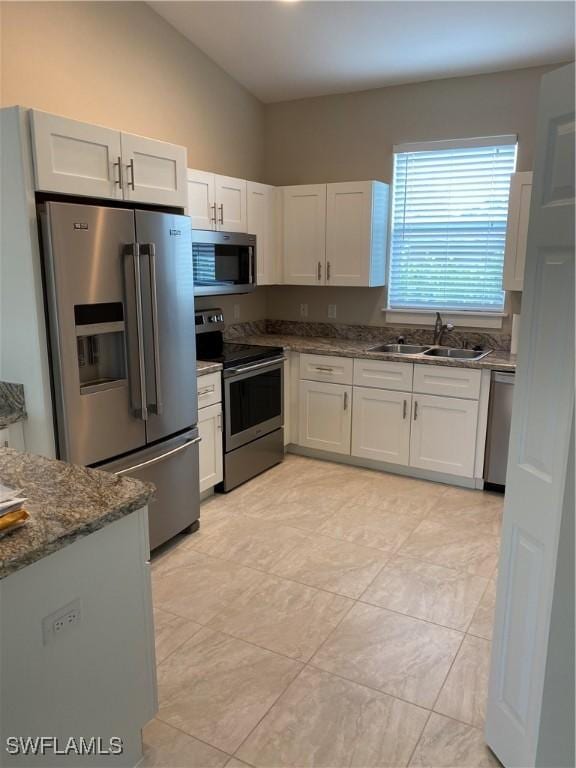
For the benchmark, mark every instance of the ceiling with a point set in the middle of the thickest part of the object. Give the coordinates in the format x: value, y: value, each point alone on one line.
x: 289, y: 50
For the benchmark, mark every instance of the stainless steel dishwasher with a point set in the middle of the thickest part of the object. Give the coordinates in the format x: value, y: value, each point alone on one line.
x: 498, y: 437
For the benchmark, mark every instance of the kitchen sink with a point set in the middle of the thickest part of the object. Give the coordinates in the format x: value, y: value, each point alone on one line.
x: 456, y: 354
x: 399, y: 349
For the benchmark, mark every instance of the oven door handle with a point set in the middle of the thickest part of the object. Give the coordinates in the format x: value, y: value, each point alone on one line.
x: 255, y: 367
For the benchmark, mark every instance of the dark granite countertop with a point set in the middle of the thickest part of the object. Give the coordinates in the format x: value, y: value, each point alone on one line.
x: 497, y: 360
x: 65, y: 502
x: 203, y: 367
x: 12, y: 408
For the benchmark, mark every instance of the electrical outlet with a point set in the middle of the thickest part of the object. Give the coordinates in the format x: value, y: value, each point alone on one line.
x: 61, y: 621
x: 332, y: 311
x: 236, y: 312
x: 303, y: 310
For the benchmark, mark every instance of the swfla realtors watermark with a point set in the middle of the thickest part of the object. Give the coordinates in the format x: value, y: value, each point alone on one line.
x: 74, y: 745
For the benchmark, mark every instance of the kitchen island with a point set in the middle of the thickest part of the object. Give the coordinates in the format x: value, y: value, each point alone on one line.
x: 77, y: 641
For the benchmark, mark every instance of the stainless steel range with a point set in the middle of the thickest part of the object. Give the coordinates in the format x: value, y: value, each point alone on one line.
x: 253, y: 395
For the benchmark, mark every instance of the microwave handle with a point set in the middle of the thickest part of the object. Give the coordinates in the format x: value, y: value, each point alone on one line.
x: 251, y: 265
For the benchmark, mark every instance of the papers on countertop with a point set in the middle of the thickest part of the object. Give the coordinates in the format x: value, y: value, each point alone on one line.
x: 10, y: 499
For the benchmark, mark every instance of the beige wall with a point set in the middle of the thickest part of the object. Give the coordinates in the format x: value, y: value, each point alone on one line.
x: 123, y: 66
x: 351, y: 136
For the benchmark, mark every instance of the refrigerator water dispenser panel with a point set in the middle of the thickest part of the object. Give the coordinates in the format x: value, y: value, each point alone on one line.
x: 101, y: 345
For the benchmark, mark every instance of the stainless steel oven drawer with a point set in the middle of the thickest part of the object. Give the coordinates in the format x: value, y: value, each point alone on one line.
x: 251, y: 459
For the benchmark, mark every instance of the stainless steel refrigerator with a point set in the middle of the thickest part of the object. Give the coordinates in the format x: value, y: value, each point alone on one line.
x: 120, y: 302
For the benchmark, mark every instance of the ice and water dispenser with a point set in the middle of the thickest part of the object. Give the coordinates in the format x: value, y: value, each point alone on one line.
x: 101, y: 343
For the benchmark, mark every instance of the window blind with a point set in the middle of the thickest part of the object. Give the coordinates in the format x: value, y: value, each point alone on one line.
x: 449, y: 215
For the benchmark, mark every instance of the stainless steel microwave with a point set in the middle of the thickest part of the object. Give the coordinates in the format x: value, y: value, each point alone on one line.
x: 224, y: 262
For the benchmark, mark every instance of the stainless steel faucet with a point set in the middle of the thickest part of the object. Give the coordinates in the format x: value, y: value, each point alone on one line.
x: 440, y: 328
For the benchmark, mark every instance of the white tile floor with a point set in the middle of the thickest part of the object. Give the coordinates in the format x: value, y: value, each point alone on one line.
x: 329, y: 616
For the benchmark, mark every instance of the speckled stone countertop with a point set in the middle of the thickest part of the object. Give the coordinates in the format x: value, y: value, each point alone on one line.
x: 203, y: 367
x: 12, y: 408
x: 497, y: 360
x: 65, y: 502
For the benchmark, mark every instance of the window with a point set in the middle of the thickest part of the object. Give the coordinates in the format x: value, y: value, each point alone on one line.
x: 449, y: 214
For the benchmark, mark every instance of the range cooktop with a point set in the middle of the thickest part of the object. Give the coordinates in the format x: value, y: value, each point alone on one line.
x: 232, y: 355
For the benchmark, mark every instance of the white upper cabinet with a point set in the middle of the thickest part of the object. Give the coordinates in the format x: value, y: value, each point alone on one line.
x: 517, y: 230
x: 201, y: 199
x: 231, y: 204
x: 356, y: 227
x: 155, y: 171
x: 77, y: 158
x: 217, y: 202
x: 335, y: 234
x: 262, y: 222
x: 304, y: 234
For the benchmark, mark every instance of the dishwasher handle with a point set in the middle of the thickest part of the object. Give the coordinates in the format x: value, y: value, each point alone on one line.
x: 502, y: 377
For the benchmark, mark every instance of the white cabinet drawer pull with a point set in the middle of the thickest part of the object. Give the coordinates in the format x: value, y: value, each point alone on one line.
x: 324, y: 368
x: 206, y: 390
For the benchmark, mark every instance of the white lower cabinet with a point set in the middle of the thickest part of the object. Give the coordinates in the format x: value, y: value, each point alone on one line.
x: 210, y: 430
x: 381, y: 425
x: 391, y: 417
x: 443, y: 434
x: 325, y: 416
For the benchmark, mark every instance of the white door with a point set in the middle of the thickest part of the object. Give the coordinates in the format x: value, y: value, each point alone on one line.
x: 517, y: 230
x: 443, y: 434
x: 261, y: 222
x: 348, y: 225
x: 231, y: 198
x: 304, y: 234
x: 542, y: 421
x: 75, y: 158
x: 210, y: 431
x: 154, y: 171
x: 201, y: 199
x: 381, y: 424
x: 325, y: 416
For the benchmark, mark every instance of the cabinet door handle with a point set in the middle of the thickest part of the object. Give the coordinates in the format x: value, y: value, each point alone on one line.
x: 220, y: 421
x: 213, y: 209
x: 221, y: 213
x: 415, y: 409
x: 319, y: 271
x: 328, y: 270
x: 118, y: 181
x: 131, y: 182
x: 404, y: 409
x: 345, y: 401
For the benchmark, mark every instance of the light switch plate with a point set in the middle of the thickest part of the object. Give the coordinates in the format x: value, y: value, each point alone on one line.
x: 303, y: 310
x: 332, y: 311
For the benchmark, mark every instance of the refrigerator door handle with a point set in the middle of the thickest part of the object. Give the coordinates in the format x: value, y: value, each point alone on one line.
x: 162, y: 457
x: 157, y: 405
x: 133, y: 250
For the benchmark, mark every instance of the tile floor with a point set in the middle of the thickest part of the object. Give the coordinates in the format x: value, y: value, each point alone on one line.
x: 329, y: 616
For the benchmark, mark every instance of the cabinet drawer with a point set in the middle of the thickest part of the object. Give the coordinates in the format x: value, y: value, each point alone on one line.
x: 383, y: 374
x: 337, y: 370
x: 209, y: 389
x: 442, y: 380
